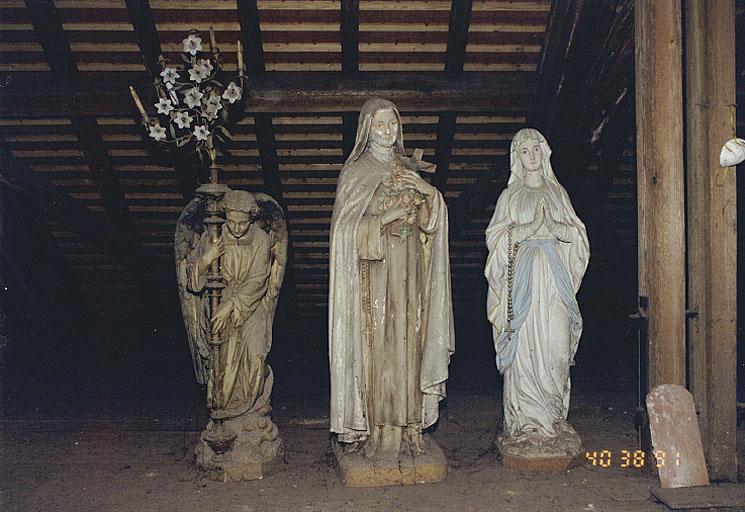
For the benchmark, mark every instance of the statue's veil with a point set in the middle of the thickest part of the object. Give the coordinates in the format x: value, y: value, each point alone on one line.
x: 517, y: 173
x: 365, y: 121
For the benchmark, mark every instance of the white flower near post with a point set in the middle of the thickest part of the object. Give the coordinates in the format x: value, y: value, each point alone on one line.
x: 205, y: 66
x: 210, y: 111
x: 169, y: 76
x: 192, y: 44
x: 201, y: 132
x: 232, y: 93
x: 183, y: 120
x: 157, y: 132
x: 197, y: 74
x: 164, y: 106
x: 193, y: 97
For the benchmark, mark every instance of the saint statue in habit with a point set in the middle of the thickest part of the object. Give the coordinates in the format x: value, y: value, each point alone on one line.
x: 538, y: 254
x: 390, y: 311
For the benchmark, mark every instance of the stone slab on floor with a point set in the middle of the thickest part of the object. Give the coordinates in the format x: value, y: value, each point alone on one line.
x: 676, y: 438
x: 725, y: 496
x: 357, y: 471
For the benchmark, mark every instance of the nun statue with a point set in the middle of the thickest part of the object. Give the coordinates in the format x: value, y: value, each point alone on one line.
x: 390, y: 311
x: 538, y: 253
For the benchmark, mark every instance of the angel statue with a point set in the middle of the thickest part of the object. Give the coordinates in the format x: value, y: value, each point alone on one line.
x: 538, y: 254
x: 252, y: 252
x: 390, y: 311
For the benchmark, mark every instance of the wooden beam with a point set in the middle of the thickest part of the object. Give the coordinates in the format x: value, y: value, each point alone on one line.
x: 350, y: 66
x: 712, y: 229
x: 460, y: 21
x: 455, y: 57
x: 38, y: 96
x: 248, y: 15
x: 60, y: 206
x: 146, y: 33
x: 583, y: 89
x: 48, y: 27
x: 350, y: 36
x: 659, y: 122
x: 558, y: 42
x: 264, y: 126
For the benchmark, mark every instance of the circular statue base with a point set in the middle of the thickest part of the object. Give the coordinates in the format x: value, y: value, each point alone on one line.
x: 256, y: 452
x: 532, y: 452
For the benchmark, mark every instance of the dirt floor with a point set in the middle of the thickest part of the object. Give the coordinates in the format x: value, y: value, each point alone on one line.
x: 146, y: 464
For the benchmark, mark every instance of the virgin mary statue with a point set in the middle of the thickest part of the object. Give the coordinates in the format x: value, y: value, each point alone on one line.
x: 390, y: 310
x: 538, y: 253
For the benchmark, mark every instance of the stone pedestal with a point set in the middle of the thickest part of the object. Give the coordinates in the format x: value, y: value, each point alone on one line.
x: 256, y: 452
x: 356, y: 470
x: 532, y: 453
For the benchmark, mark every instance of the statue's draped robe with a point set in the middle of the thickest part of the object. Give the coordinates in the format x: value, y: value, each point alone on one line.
x: 246, y: 267
x: 398, y: 379
x: 536, y: 376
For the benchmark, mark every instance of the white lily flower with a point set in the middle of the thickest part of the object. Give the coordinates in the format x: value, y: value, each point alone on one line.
x: 197, y: 74
x: 210, y: 111
x: 206, y: 66
x: 157, y: 132
x: 183, y: 120
x: 164, y: 106
x: 233, y: 93
x: 192, y: 44
x: 213, y: 99
x: 169, y: 76
x: 201, y: 132
x: 194, y: 97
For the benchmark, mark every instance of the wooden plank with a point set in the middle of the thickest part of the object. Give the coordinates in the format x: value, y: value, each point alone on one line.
x: 48, y: 27
x: 455, y: 57
x: 248, y: 15
x: 255, y: 65
x: 659, y: 121
x: 350, y: 36
x: 106, y: 95
x: 712, y: 229
x: 561, y: 28
x: 729, y: 496
x: 588, y: 43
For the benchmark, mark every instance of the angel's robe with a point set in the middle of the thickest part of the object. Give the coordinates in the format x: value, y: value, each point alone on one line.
x: 246, y: 267
x: 391, y: 330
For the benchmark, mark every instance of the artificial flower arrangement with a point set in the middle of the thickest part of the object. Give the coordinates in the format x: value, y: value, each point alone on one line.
x: 192, y: 99
x: 396, y: 193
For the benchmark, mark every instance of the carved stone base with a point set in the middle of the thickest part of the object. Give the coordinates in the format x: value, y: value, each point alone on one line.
x: 256, y: 452
x: 531, y: 452
x: 356, y: 470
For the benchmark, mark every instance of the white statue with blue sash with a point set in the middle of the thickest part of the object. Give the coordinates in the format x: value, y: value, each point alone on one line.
x: 538, y: 253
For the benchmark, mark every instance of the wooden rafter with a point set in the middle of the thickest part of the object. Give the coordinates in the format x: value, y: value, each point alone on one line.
x: 48, y: 26
x: 248, y: 13
x: 350, y: 64
x: 350, y: 36
x: 66, y: 210
x: 141, y: 16
x: 582, y: 95
x: 34, y: 96
x: 455, y: 57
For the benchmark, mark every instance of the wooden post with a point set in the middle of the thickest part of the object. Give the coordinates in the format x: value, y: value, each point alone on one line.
x: 712, y: 229
x: 659, y: 122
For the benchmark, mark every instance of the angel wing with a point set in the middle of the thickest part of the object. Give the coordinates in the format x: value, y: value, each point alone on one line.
x: 272, y: 220
x: 189, y: 229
